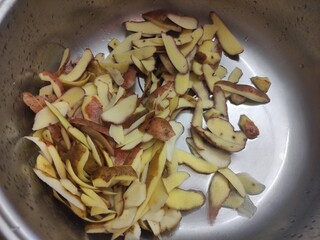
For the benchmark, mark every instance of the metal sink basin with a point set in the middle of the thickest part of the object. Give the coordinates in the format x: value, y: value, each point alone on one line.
x: 281, y: 41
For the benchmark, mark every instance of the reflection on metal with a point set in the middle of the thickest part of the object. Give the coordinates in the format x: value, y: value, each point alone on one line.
x: 5, y: 7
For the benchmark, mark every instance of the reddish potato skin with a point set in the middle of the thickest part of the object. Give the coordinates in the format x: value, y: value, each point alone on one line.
x: 129, y: 77
x: 94, y: 110
x: 36, y: 103
x: 55, y: 131
x: 159, y: 128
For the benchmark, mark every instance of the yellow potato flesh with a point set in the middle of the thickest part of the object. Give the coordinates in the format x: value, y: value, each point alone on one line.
x: 176, y: 57
x: 197, y: 164
x: 185, y: 200
x: 228, y: 41
x: 218, y: 192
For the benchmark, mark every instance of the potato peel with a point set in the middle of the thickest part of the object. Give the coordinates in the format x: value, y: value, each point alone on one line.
x: 159, y: 128
x: 109, y: 153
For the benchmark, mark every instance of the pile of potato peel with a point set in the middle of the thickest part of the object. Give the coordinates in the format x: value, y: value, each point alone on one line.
x: 109, y: 153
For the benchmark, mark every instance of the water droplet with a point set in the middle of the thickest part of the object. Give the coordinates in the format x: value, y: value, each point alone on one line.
x: 293, y: 235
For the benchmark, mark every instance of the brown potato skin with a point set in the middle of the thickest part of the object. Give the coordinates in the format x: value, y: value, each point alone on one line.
x: 125, y: 157
x: 55, y: 131
x: 96, y: 68
x: 248, y: 127
x: 245, y: 90
x: 95, y: 126
x: 200, y: 57
x: 160, y: 17
x: 237, y: 99
x: 107, y: 173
